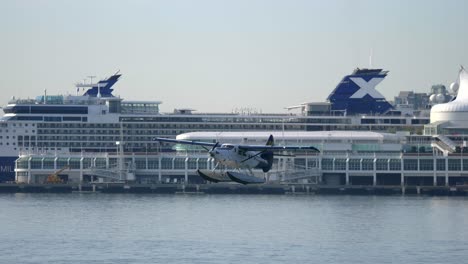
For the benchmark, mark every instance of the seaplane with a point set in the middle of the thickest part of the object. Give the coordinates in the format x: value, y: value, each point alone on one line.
x: 241, y: 159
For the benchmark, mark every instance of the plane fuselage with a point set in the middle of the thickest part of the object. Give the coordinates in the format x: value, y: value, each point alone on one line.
x: 234, y: 157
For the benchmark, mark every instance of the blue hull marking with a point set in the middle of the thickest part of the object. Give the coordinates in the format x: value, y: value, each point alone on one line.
x: 7, y: 168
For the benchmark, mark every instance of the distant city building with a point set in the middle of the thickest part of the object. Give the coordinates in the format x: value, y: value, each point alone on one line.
x: 418, y: 101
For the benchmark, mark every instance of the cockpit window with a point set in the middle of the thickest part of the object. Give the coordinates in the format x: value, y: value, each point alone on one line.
x: 225, y: 146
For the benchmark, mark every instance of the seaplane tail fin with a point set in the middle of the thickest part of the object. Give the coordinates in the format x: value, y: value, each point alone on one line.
x: 270, y: 141
x: 268, y: 156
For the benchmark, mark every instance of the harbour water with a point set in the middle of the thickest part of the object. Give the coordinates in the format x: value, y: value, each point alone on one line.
x: 149, y: 228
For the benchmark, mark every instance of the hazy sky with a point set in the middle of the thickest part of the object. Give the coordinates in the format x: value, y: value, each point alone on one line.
x: 214, y: 55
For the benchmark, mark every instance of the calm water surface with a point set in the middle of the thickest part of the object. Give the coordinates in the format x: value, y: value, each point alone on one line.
x: 107, y: 228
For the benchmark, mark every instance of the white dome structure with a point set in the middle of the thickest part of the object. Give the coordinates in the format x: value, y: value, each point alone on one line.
x: 440, y: 98
x: 432, y: 98
x: 454, y: 87
x: 456, y: 111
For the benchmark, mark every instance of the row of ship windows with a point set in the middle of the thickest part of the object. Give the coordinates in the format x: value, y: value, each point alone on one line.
x: 158, y: 125
x: 84, y: 138
x: 110, y: 133
x: 178, y: 126
x: 395, y: 121
x: 201, y: 126
x: 14, y: 131
x: 37, y: 149
x: 182, y: 129
x: 166, y: 130
x: 7, y: 143
x: 20, y: 125
x: 20, y: 138
x: 195, y: 119
x: 395, y: 164
x: 110, y: 146
x: 197, y: 124
x: 163, y: 131
x: 98, y: 149
x: 281, y: 120
x: 50, y: 118
x: 45, y: 109
x: 118, y: 132
x: 76, y: 125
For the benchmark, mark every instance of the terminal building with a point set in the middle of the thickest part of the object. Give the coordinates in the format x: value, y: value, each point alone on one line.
x: 434, y: 157
x: 92, y: 122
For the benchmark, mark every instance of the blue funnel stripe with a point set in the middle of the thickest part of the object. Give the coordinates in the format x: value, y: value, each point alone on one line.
x: 105, y: 87
x: 356, y: 93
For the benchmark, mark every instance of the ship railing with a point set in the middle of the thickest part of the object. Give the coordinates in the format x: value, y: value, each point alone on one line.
x: 110, y: 174
x: 367, y: 154
x: 447, y: 141
x: 444, y: 144
x: 293, y: 172
x: 61, y: 154
x: 22, y: 101
x: 442, y: 147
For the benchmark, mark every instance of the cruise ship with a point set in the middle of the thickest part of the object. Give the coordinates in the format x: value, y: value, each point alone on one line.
x: 96, y: 124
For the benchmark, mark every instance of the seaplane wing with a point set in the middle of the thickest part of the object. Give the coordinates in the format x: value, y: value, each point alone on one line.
x: 189, y: 142
x: 239, y: 157
x: 268, y: 147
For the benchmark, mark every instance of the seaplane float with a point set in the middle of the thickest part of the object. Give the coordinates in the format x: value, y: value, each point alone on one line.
x: 239, y: 158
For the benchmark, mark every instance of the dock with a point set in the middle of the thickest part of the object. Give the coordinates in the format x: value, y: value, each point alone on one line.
x: 229, y: 188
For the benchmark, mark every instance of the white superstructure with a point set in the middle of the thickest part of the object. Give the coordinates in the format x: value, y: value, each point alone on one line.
x: 347, y: 156
x: 323, y: 140
x: 94, y: 121
x: 454, y: 113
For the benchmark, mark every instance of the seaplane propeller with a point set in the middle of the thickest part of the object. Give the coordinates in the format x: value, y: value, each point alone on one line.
x: 212, y: 149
